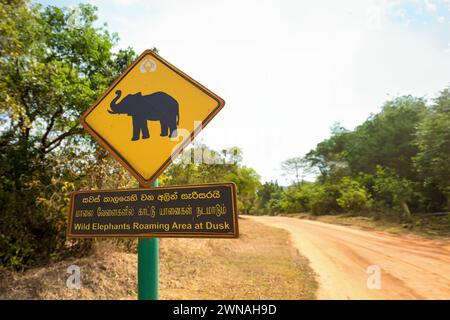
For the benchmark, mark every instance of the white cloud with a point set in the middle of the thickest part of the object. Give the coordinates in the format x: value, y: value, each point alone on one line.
x: 441, y: 19
x: 429, y: 6
x: 128, y: 2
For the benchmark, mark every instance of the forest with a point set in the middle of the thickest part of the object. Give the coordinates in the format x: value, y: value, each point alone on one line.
x: 397, y: 161
x: 56, y: 61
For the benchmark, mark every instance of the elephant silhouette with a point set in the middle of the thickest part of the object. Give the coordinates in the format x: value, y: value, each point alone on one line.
x: 158, y: 106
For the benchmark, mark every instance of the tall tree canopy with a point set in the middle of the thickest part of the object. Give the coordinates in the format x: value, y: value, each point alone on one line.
x: 386, y: 139
x: 54, y: 62
x: 433, y: 158
x: 396, y: 160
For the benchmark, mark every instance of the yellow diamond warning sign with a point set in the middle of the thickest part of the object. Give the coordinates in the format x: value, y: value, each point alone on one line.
x: 149, y: 114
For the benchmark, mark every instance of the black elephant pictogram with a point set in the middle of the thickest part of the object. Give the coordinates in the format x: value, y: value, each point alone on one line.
x: 158, y: 106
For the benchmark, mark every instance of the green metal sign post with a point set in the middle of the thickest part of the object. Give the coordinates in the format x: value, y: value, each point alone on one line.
x: 148, y: 255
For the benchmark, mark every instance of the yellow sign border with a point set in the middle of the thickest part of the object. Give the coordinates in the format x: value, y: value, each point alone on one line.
x: 148, y: 182
x: 234, y: 234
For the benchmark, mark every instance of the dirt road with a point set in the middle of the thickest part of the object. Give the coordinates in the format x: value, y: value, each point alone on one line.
x: 411, y: 267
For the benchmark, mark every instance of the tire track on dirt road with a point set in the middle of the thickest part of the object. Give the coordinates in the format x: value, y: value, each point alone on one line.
x: 411, y: 267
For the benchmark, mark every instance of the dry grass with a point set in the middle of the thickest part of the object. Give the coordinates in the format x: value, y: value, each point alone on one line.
x: 107, y: 274
x: 259, y: 265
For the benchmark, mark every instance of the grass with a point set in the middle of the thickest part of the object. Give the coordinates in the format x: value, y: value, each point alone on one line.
x: 259, y: 265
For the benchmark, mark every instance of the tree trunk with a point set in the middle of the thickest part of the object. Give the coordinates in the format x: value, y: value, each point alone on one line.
x: 405, y: 208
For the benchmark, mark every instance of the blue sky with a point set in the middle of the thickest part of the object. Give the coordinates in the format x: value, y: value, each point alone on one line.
x: 289, y: 69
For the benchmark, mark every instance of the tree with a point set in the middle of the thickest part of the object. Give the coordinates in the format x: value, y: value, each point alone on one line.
x: 432, y: 159
x: 201, y: 164
x: 247, y: 182
x: 297, y: 167
x: 54, y: 63
x: 269, y: 197
x: 353, y: 196
x: 393, y: 189
x: 387, y: 138
x: 331, y: 154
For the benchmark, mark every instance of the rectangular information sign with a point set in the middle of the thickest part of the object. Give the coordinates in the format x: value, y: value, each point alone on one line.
x: 207, y: 210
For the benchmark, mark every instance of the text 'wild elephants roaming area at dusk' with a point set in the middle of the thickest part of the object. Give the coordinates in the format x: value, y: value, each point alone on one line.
x: 225, y: 159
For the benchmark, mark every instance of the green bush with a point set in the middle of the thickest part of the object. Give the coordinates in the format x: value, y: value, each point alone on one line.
x: 319, y: 198
x: 354, y: 197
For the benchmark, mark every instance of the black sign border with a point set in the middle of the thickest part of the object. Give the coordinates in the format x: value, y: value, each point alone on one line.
x: 234, y: 234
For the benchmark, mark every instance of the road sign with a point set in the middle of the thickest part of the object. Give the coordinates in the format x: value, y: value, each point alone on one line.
x: 149, y: 114
x: 207, y: 210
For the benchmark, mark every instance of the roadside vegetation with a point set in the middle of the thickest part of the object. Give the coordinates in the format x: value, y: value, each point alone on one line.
x: 425, y: 226
x: 393, y: 167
